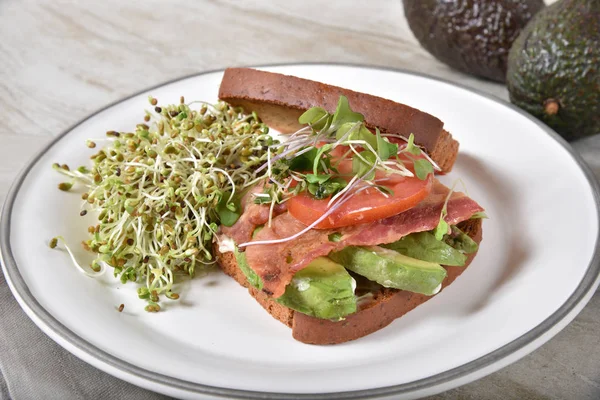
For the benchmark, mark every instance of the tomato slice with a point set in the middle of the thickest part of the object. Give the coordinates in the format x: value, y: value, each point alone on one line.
x: 366, y: 206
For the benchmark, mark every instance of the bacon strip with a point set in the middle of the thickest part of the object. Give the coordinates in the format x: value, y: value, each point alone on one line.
x: 253, y: 215
x: 276, y: 264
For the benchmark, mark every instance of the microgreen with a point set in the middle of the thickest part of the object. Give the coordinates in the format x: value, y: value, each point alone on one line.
x: 362, y: 165
x: 317, y: 117
x: 344, y: 114
x: 305, y: 161
x: 228, y: 211
x: 321, y: 159
x: 442, y: 227
x: 410, y: 146
x: 422, y: 168
x: 310, y: 159
x: 262, y: 198
x: 385, y: 149
x: 312, y: 178
x: 328, y: 187
x: 479, y: 214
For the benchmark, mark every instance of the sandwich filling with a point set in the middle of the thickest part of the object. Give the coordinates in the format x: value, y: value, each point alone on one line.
x: 277, y: 263
x: 347, y: 206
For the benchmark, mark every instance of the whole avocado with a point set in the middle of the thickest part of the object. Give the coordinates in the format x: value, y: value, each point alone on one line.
x: 554, y: 68
x: 473, y: 36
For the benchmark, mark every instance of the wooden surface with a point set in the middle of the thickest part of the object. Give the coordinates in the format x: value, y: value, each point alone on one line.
x: 62, y: 60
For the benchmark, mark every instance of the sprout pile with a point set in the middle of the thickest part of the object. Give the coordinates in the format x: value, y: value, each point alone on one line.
x: 161, y: 192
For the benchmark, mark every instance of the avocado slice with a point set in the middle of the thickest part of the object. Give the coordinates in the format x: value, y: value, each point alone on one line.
x: 251, y: 276
x: 554, y: 68
x: 322, y: 289
x: 460, y: 241
x: 424, y: 246
x: 392, y: 269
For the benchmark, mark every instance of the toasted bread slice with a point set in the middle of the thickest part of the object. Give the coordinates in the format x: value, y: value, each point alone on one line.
x: 280, y: 99
x: 384, y: 307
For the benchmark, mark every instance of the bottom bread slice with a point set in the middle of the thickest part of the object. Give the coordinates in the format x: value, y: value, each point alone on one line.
x: 384, y: 307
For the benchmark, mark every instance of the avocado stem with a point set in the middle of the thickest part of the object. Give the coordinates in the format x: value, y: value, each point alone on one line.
x: 551, y: 106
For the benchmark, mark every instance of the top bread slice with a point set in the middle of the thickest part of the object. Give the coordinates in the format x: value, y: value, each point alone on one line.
x: 280, y: 99
x: 384, y: 307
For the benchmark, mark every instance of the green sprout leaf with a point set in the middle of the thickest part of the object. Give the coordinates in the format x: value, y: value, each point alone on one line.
x: 143, y: 293
x: 317, y: 117
x: 367, y: 136
x: 263, y: 199
x: 423, y: 168
x: 359, y: 133
x: 327, y: 188
x: 304, y: 162
x: 344, y: 114
x: 411, y: 148
x: 442, y: 228
x: 384, y: 148
x: 228, y: 212
x: 311, y: 178
x: 343, y: 129
x: 317, y: 165
x: 479, y: 214
x: 363, y: 164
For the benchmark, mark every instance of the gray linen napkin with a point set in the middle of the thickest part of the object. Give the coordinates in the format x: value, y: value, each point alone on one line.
x: 33, y: 366
x: 3, y: 387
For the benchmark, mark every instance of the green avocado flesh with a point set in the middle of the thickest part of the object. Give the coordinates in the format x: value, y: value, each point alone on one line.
x: 251, y: 276
x: 323, y: 289
x: 392, y: 269
x: 460, y: 241
x: 424, y: 246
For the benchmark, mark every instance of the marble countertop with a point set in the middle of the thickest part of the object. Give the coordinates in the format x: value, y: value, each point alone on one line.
x: 62, y: 60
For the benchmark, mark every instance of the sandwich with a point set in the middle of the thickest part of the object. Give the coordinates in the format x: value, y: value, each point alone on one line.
x: 351, y: 229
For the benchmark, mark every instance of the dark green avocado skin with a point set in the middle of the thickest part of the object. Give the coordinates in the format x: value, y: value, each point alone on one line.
x: 473, y: 36
x: 556, y: 59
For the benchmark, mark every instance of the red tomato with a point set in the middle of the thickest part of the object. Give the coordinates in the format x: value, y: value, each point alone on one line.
x: 366, y: 206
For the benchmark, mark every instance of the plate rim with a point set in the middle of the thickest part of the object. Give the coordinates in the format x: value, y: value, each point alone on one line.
x: 67, y: 338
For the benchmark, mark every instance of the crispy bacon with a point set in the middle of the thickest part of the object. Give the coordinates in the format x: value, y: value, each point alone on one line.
x: 276, y: 264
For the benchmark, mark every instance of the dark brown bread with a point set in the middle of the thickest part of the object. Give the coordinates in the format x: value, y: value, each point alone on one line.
x: 385, y: 307
x: 280, y: 99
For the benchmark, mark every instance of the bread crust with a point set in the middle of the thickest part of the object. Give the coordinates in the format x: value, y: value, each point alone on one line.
x: 280, y: 99
x: 385, y: 307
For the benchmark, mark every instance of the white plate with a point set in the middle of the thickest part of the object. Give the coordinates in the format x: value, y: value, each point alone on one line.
x: 536, y: 269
